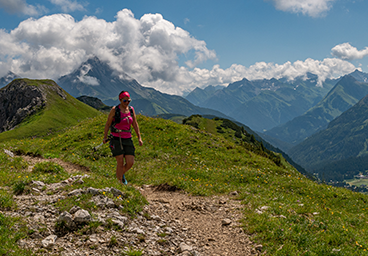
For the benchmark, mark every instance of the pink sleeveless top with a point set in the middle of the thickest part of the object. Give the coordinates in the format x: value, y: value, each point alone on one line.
x: 125, y: 123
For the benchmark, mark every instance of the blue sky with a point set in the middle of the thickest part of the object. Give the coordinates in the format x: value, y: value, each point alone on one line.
x: 175, y: 46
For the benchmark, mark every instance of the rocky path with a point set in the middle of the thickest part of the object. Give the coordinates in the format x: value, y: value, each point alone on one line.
x: 173, y: 223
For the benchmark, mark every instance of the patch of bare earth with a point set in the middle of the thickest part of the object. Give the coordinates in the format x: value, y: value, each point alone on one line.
x: 211, y: 224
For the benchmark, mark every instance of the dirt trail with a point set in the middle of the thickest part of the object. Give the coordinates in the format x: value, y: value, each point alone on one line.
x: 213, y: 223
x: 206, y: 225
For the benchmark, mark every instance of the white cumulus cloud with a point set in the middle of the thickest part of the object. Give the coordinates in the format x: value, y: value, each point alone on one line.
x: 189, y: 79
x: 147, y: 49
x: 313, y: 8
x: 346, y: 51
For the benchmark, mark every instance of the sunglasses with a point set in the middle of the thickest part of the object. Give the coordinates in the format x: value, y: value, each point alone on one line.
x: 127, y: 100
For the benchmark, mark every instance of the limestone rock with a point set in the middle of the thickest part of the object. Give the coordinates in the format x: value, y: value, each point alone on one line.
x: 65, y: 217
x: 49, y: 241
x: 76, y: 192
x: 74, y: 209
x: 117, y: 192
x: 226, y: 222
x: 38, y: 183
x: 9, y: 153
x: 184, y: 247
x: 82, y: 216
x: 93, y: 191
x: 103, y: 201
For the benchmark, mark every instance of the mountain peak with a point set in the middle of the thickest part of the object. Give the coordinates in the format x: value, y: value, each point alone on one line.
x: 347, y: 79
x: 97, y: 79
x: 360, y: 76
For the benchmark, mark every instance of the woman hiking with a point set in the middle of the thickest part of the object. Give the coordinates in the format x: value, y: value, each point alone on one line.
x: 119, y: 121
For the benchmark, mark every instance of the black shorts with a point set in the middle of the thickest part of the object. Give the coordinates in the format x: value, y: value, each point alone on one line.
x: 126, y: 146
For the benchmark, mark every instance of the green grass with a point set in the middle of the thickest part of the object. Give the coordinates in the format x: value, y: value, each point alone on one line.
x: 6, y: 201
x: 48, y: 167
x: 301, y: 217
x: 54, y: 117
x: 11, y: 231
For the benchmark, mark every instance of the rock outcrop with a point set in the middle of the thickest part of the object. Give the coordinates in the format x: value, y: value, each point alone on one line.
x: 94, y: 102
x: 23, y: 98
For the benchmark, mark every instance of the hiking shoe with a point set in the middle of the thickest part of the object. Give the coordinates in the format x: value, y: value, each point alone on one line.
x: 125, y: 182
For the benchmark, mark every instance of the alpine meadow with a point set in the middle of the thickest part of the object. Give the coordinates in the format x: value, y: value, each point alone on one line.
x: 283, y: 210
x: 183, y: 128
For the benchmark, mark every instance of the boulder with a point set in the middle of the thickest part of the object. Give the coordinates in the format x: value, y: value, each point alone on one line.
x: 49, y: 241
x: 82, y: 216
x: 65, y: 217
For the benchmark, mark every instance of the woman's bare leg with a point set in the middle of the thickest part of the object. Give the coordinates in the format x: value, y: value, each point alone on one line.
x: 129, y: 161
x: 120, y: 167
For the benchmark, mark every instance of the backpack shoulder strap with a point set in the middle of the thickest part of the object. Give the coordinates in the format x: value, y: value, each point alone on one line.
x: 131, y: 110
x: 117, y: 116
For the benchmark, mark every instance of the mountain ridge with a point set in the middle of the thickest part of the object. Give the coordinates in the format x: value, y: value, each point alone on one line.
x: 97, y: 79
x: 343, y: 139
x: 278, y: 100
x: 347, y: 92
x: 37, y: 108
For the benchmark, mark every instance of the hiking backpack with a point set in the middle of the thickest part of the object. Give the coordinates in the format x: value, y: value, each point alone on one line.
x: 117, y: 119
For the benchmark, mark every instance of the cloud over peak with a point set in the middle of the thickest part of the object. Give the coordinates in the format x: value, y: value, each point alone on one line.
x: 147, y: 48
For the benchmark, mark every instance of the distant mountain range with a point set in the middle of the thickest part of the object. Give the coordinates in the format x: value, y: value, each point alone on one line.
x: 341, y: 150
x: 309, y: 122
x: 96, y: 79
x: 263, y: 104
x: 198, y: 95
x: 347, y: 92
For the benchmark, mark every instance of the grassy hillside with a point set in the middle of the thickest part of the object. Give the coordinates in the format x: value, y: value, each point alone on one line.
x: 58, y: 114
x: 286, y: 212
